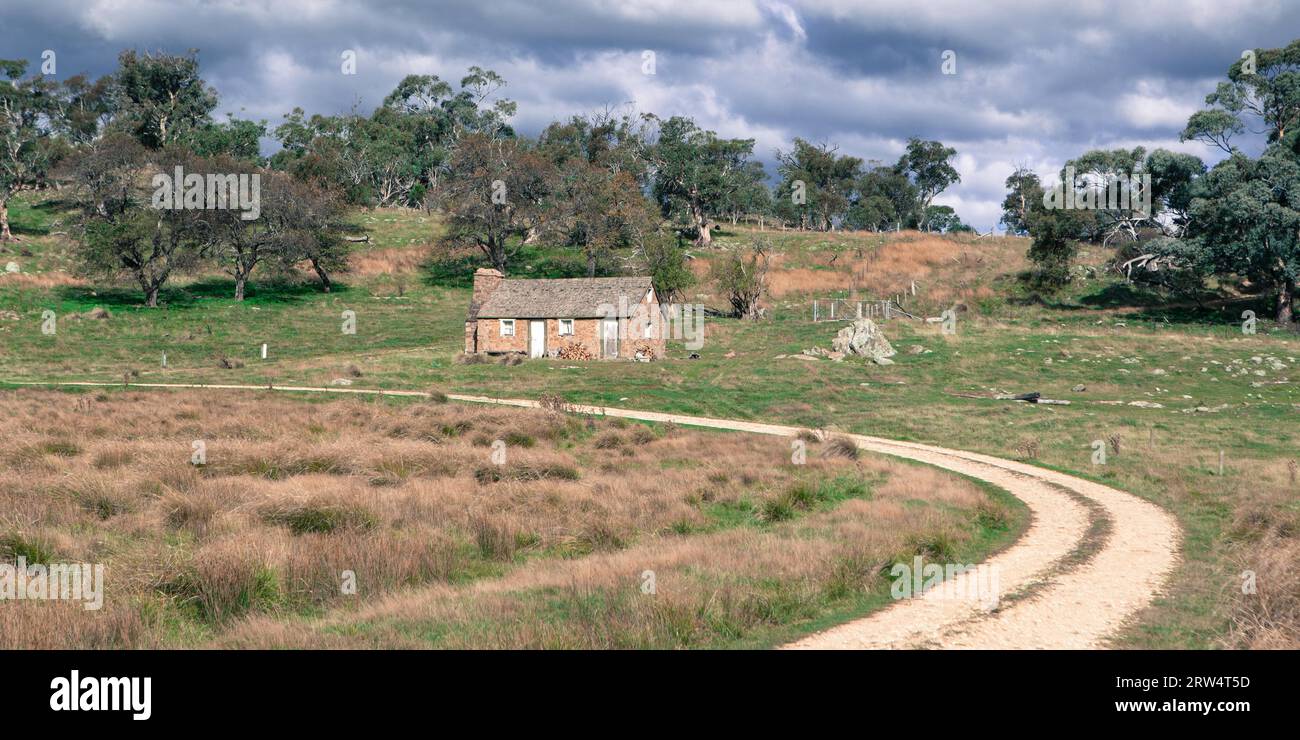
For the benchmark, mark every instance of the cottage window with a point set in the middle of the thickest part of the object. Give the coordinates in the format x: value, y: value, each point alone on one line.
x: 507, y: 327
x: 566, y: 327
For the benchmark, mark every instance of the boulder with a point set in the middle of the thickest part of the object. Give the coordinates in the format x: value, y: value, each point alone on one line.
x: 863, y: 338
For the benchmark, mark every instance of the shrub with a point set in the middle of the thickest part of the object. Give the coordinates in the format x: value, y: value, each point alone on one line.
x: 554, y: 402
x: 841, y: 447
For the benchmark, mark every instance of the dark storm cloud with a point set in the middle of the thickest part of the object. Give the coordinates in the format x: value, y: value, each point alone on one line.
x: 1036, y: 83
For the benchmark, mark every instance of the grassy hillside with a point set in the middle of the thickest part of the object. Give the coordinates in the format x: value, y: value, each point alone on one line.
x: 1168, y: 385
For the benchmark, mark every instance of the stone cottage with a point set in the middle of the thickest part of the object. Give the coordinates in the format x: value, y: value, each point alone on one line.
x: 605, y: 318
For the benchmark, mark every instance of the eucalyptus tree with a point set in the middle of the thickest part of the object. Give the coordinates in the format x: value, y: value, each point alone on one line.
x: 28, y: 123
x: 694, y: 172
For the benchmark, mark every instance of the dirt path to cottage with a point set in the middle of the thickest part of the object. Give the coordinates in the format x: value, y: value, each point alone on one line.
x: 1090, y: 559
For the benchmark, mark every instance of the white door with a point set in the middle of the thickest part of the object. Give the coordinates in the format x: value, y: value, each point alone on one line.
x: 536, y: 338
x: 609, y: 338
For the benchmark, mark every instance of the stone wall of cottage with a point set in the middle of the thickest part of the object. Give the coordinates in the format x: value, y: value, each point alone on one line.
x: 585, y: 332
x: 490, y: 339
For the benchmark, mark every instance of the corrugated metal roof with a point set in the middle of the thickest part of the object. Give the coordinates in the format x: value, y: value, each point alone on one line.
x: 576, y: 298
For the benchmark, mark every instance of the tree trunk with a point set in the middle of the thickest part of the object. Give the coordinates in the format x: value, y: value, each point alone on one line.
x: 701, y: 224
x: 322, y: 274
x: 240, y: 281
x: 150, y: 292
x: 5, y: 234
x: 496, y: 252
x: 705, y: 238
x: 1285, y: 296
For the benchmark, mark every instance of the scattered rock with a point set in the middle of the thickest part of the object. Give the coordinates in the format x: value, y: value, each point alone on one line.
x: 1080, y: 388
x: 97, y: 313
x: 1146, y: 404
x: 340, y: 381
x: 229, y: 364
x: 881, y: 360
x: 12, y: 267
x: 917, y: 349
x: 730, y: 355
x: 9, y: 316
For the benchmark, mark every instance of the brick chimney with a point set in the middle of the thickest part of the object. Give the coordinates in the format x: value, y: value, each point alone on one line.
x: 486, y: 280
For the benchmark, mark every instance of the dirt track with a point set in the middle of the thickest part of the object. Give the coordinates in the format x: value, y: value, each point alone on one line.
x: 1064, y: 584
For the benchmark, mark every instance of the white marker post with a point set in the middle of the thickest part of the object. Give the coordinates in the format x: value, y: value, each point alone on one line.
x: 263, y: 350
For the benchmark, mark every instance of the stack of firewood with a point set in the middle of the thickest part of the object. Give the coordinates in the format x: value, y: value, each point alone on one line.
x: 574, y: 351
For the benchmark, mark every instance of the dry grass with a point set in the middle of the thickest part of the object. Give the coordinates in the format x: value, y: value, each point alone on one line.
x: 391, y: 261
x: 948, y: 269
x: 46, y: 280
x: 707, y: 588
x: 293, y: 494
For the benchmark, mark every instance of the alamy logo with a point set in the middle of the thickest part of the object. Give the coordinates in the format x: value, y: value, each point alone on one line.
x: 93, y: 694
x: 683, y: 321
x: 1091, y: 193
x: 54, y: 582
x: 225, y: 192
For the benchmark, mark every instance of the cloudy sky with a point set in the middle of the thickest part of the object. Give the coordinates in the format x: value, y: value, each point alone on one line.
x: 1036, y: 82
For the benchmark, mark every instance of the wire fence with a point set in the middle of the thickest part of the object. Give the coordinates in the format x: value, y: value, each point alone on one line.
x: 841, y: 309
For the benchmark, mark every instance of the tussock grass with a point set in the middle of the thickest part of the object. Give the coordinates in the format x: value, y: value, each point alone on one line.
x: 294, y: 495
